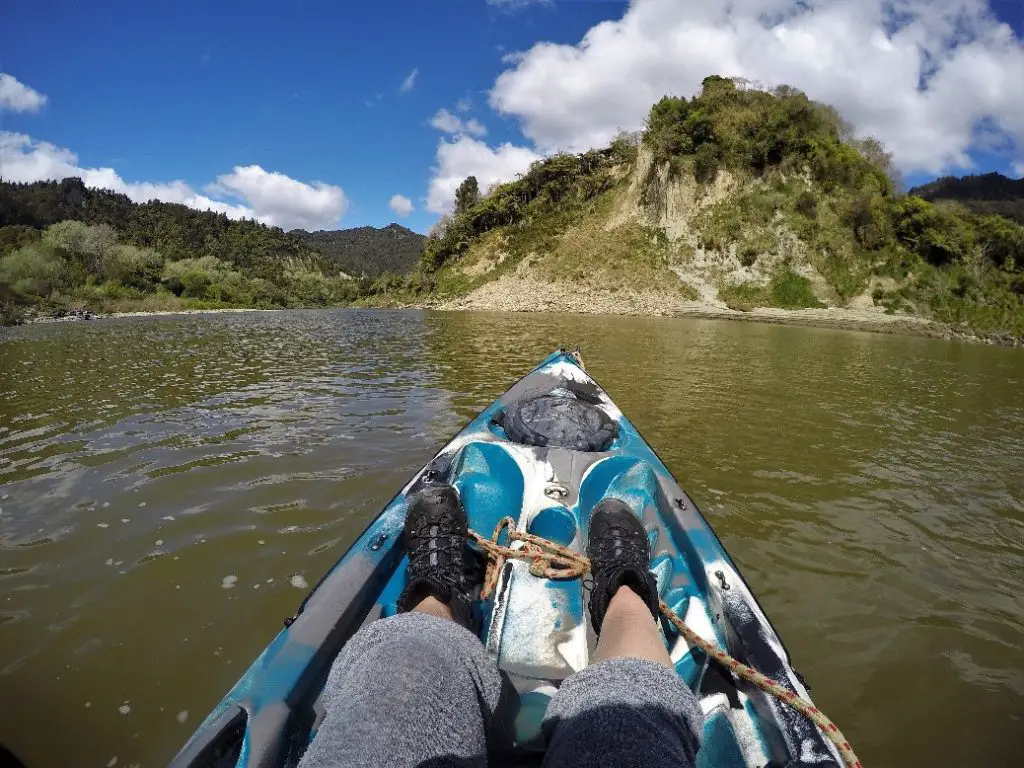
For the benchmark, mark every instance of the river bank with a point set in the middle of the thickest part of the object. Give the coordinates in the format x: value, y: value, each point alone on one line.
x: 534, y: 296
x: 539, y: 296
x: 85, y: 315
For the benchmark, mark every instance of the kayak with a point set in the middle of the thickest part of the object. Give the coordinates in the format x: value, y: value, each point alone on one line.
x: 545, y: 453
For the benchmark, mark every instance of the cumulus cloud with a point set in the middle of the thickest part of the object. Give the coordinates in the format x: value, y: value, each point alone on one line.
x: 401, y: 205
x: 251, y: 192
x: 410, y: 81
x: 446, y: 122
x: 464, y: 104
x: 465, y: 156
x: 15, y: 96
x: 921, y: 75
x: 281, y: 200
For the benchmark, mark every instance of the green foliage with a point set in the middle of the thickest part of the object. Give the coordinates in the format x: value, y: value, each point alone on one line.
x: 990, y: 194
x: 792, y: 291
x: 33, y: 270
x: 937, y: 235
x: 139, y: 268
x: 743, y: 297
x: 367, y: 251
x: 786, y: 290
x: 663, y: 136
x: 533, y: 208
x: 731, y: 125
x: 1002, y: 242
x: 16, y: 236
x: 624, y: 147
x: 99, y: 249
x: 467, y: 195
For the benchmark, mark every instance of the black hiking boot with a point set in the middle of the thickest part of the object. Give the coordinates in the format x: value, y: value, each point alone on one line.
x: 620, y: 555
x: 439, y: 557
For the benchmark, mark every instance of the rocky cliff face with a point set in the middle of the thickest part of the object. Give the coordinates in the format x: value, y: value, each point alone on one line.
x: 655, y: 239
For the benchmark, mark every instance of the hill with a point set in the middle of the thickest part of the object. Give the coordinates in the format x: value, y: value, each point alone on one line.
x: 738, y: 199
x: 66, y: 246
x: 990, y: 193
x: 367, y: 251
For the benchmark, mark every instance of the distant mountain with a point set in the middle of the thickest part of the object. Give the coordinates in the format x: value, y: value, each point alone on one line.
x: 991, y: 193
x: 367, y: 251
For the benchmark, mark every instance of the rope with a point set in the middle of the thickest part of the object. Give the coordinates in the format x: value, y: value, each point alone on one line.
x: 553, y: 561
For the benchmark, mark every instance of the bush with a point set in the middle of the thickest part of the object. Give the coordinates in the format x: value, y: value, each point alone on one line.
x: 665, y: 135
x: 76, y: 240
x: 1001, y: 241
x: 743, y: 297
x: 15, y: 236
x: 806, y: 204
x: 140, y: 268
x: 869, y: 220
x: 191, y: 277
x: 792, y: 291
x: 32, y: 271
x: 938, y: 236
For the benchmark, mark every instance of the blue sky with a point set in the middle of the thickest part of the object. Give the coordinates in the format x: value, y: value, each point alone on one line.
x: 307, y: 92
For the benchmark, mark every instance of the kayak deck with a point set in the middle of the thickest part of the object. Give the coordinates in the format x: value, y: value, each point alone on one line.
x: 545, y: 454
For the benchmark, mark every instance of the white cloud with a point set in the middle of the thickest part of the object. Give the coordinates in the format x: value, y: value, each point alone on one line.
x: 918, y: 74
x: 283, y: 201
x: 464, y: 104
x: 253, y: 193
x: 1018, y: 169
x: 18, y: 97
x: 446, y: 122
x: 401, y: 205
x: 410, y: 81
x: 466, y: 156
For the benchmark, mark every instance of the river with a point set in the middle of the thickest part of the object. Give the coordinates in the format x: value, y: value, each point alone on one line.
x: 171, y: 485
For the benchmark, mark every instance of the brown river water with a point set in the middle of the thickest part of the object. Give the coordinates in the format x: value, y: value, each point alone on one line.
x: 171, y: 485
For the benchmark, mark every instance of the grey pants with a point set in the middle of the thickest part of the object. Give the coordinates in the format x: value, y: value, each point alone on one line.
x: 416, y: 690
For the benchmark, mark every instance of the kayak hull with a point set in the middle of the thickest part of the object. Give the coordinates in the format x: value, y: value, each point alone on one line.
x: 545, y: 453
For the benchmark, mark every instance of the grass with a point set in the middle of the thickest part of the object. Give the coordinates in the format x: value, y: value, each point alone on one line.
x: 786, y: 290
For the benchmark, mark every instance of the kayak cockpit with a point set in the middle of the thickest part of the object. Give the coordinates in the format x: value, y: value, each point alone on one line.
x: 545, y: 454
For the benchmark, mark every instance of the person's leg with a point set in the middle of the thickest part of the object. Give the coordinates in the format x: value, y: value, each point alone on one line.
x: 629, y: 632
x: 629, y: 707
x: 416, y: 689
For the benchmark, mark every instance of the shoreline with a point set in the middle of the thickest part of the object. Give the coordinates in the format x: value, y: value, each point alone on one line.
x: 86, y: 315
x: 630, y: 305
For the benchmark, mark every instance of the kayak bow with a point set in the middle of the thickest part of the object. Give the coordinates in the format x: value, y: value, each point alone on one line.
x: 545, y: 453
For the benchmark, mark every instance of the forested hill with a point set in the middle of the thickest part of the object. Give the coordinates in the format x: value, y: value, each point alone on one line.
x: 65, y: 246
x: 366, y: 250
x: 991, y: 193
x: 176, y: 231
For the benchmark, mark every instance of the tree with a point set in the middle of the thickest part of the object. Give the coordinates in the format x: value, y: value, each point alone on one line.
x: 467, y: 195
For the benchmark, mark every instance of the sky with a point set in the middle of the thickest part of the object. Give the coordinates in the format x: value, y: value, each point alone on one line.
x: 324, y: 115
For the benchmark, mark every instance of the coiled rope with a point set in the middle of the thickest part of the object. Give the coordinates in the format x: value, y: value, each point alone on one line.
x: 553, y: 561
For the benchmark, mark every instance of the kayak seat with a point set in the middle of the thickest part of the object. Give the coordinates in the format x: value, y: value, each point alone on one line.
x: 559, y: 421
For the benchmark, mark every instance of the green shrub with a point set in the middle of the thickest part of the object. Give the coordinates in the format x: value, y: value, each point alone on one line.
x: 90, y: 245
x: 15, y: 236
x: 743, y: 297
x: 140, y: 268
x: 938, y: 236
x: 1001, y: 241
x: 33, y: 270
x: 191, y: 277
x: 792, y: 291
x: 806, y: 204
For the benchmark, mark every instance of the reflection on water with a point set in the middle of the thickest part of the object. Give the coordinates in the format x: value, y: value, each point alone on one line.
x: 167, y: 484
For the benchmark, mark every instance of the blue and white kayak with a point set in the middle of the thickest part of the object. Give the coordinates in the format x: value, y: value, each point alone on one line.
x: 544, y: 453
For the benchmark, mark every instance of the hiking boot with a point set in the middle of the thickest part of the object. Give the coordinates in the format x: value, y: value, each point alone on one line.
x: 620, y: 555
x: 439, y: 557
